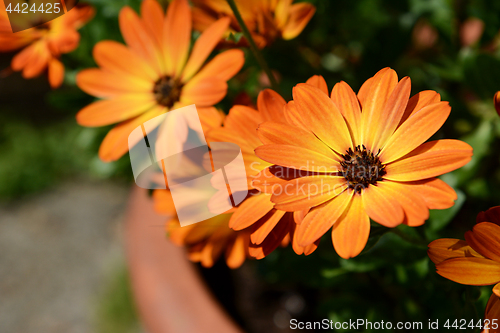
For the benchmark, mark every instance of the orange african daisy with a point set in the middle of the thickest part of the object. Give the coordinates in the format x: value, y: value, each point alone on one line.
x: 43, y: 45
x: 475, y: 261
x: 266, y: 19
x: 356, y: 157
x: 154, y: 72
x: 269, y: 227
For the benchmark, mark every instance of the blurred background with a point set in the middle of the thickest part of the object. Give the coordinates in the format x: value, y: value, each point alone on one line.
x: 62, y: 259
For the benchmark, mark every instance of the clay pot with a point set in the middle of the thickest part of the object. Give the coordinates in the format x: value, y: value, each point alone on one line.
x: 170, y: 295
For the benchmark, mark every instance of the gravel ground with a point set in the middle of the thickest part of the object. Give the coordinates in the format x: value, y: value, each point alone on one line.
x: 57, y: 250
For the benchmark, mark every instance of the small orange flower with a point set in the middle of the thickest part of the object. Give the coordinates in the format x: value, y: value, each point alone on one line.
x: 356, y: 157
x: 268, y: 227
x: 155, y: 73
x: 266, y: 19
x: 475, y: 261
x: 44, y: 44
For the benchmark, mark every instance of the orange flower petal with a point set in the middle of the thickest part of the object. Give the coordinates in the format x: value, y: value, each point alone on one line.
x: 347, y: 102
x: 139, y: 40
x: 491, y: 215
x: 392, y: 113
x: 203, y: 46
x: 243, y: 121
x: 298, y: 249
x: 419, y: 101
x: 223, y: 66
x: 322, y: 117
x: 317, y: 222
x: 223, y: 135
x: 22, y: 58
x: 298, y: 216
x: 201, y: 19
x: 205, y: 229
x: 106, y: 112
x: 115, y: 144
x: 206, y: 92
x: 262, y: 228
x: 56, y: 73
x: 281, y: 12
x: 265, y: 181
x: 270, y: 105
x: 496, y: 289
x: 485, y: 239
x: 414, y: 207
x: 300, y: 14
x: 492, y: 312
x: 105, y: 84
x: 236, y: 252
x: 292, y: 115
x: 350, y: 233
x: 413, y: 132
x: 177, y: 36
x: 377, y: 94
x: 164, y: 204
x: 436, y: 193
x: 429, y: 160
x: 470, y: 271
x: 381, y: 203
x: 271, y: 242
x: 279, y: 236
x: 306, y: 192
x: 38, y: 61
x: 212, y: 251
x: 297, y: 158
x: 250, y: 211
x: 279, y: 133
x: 117, y: 58
x: 447, y: 248
x: 364, y: 90
x: 176, y: 233
x: 319, y: 82
x: 152, y: 18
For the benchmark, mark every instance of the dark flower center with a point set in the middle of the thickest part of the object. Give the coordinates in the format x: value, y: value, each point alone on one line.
x: 361, y: 168
x: 167, y: 91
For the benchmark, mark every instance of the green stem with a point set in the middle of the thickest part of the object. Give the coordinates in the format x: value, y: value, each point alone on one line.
x: 253, y: 47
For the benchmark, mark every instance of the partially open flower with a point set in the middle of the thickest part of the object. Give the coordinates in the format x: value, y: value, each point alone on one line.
x: 475, y: 261
x: 266, y: 19
x: 355, y: 157
x: 155, y: 72
x: 43, y: 45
